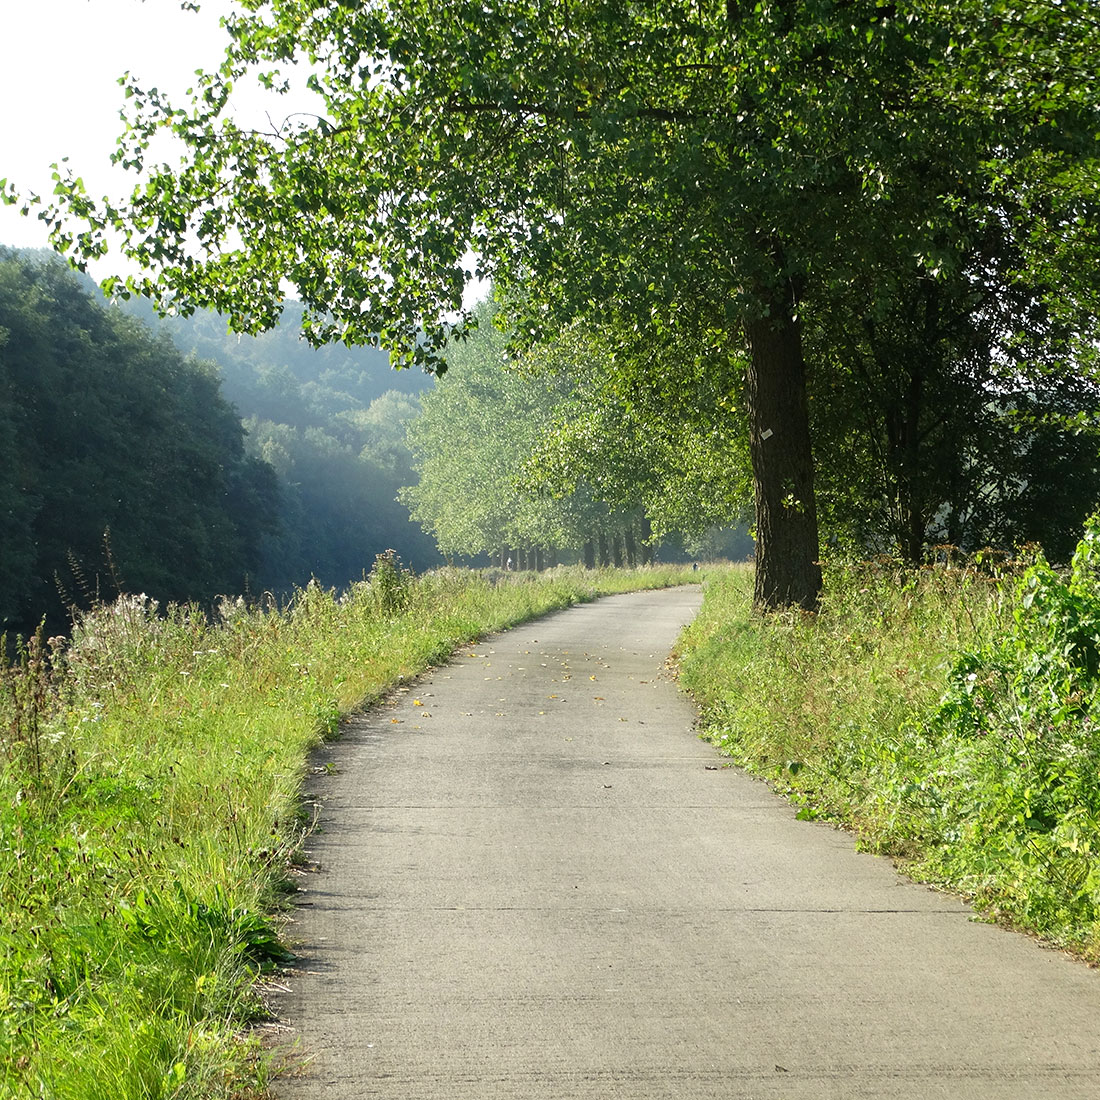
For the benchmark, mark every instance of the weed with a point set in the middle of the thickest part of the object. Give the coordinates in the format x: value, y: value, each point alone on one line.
x: 390, y: 584
x: 150, y: 812
x: 34, y: 749
x: 947, y: 715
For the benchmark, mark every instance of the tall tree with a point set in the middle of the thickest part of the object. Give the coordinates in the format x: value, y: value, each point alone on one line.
x: 934, y: 395
x: 472, y: 442
x: 736, y: 158
x: 653, y: 425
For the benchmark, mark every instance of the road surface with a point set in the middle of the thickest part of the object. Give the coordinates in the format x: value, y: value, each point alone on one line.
x: 534, y: 882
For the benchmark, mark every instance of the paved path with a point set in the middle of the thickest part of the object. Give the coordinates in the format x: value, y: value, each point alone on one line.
x: 535, y: 886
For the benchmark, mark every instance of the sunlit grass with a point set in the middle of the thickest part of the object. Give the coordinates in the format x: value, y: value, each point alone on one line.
x: 151, y: 779
x: 853, y: 714
x: 809, y: 700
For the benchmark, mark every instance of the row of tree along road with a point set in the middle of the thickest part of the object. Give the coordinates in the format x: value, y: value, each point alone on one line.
x: 860, y: 236
x: 187, y: 463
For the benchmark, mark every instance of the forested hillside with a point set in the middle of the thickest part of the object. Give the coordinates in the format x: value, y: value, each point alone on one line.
x: 125, y: 465
x: 571, y: 471
x: 278, y: 376
x: 331, y: 422
x: 121, y: 464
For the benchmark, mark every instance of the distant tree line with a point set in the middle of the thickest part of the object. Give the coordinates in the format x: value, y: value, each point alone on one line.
x: 331, y: 422
x: 562, y: 453
x: 944, y: 413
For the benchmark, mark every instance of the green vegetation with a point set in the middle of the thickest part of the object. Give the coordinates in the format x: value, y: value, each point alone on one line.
x: 841, y: 251
x: 953, y: 411
x: 149, y: 811
x: 895, y: 196
x: 123, y: 464
x: 552, y: 453
x: 947, y: 715
x: 104, y: 427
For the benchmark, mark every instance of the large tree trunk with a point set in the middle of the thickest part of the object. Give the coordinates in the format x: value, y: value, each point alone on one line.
x: 913, y: 488
x: 788, y: 572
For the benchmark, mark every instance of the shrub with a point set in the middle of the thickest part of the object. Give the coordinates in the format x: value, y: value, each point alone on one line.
x: 947, y: 715
x: 1016, y: 737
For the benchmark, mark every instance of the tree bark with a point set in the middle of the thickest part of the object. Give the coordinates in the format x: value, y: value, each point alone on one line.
x: 913, y: 492
x: 647, y: 546
x: 590, y: 555
x: 788, y: 571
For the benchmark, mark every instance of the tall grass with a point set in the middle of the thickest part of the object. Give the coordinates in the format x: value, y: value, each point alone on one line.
x: 946, y: 715
x: 149, y: 810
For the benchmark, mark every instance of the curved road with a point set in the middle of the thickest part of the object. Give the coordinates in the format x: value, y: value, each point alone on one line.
x: 534, y: 882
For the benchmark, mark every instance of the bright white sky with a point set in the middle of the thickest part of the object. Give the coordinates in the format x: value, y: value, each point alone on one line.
x: 60, y: 61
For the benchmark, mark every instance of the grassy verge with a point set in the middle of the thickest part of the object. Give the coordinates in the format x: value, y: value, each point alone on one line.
x: 149, y: 808
x: 945, y: 715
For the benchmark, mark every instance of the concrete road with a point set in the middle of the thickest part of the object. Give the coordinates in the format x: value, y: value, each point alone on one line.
x: 534, y: 882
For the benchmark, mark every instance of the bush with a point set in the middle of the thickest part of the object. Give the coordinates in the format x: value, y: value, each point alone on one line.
x: 1017, y: 743
x: 947, y: 715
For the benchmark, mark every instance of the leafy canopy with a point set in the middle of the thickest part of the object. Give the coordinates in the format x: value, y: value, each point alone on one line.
x: 607, y: 149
